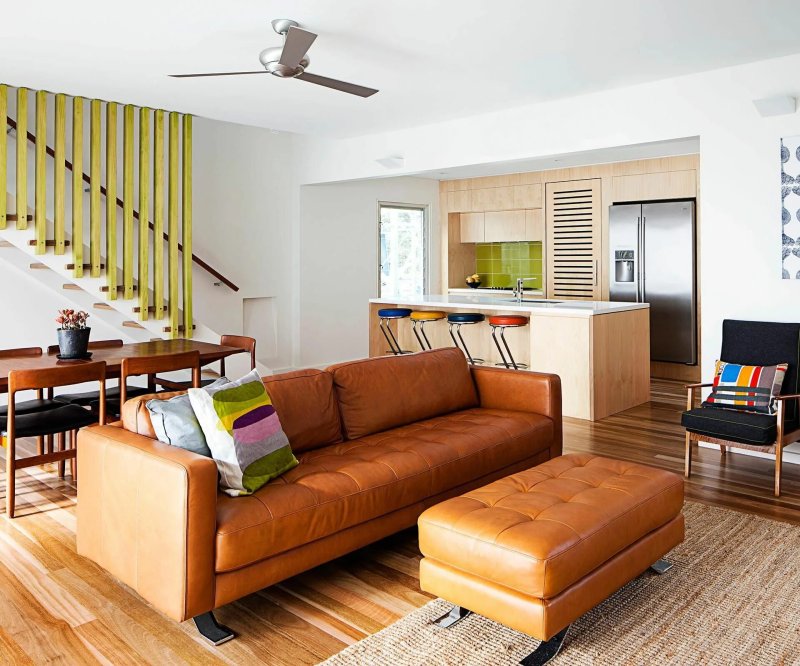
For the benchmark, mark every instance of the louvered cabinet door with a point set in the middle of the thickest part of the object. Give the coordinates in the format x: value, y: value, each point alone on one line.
x: 573, y: 239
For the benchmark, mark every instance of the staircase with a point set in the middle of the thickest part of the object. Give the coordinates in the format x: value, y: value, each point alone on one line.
x: 126, y: 287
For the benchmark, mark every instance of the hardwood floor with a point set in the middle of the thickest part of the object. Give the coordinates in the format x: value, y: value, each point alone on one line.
x: 58, y: 607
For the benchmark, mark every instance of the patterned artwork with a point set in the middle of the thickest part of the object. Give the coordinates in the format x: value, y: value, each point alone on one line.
x: 790, y: 197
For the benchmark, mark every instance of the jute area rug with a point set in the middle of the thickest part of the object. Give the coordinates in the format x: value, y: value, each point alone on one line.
x: 733, y: 597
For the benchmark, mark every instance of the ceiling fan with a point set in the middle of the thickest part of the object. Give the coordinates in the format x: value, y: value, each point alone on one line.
x: 291, y: 60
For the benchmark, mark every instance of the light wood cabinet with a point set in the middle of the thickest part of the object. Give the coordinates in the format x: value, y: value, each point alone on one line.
x: 655, y: 186
x: 573, y: 213
x: 528, y: 196
x: 492, y: 198
x: 534, y: 225
x: 504, y: 226
x: 472, y: 228
x: 459, y: 201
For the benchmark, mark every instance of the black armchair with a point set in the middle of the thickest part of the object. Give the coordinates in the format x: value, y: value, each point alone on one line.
x: 751, y: 343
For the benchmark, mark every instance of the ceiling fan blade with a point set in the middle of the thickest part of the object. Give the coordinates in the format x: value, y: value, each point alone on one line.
x: 188, y: 76
x: 352, y: 88
x: 297, y: 43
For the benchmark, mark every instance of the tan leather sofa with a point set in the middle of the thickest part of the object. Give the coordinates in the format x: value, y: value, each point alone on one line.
x: 378, y: 440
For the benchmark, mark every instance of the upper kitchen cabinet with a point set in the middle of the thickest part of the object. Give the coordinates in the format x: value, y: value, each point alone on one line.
x: 534, y: 225
x: 504, y: 226
x: 655, y: 186
x: 459, y: 201
x: 492, y: 198
x: 472, y: 228
x: 574, y: 214
x: 528, y: 196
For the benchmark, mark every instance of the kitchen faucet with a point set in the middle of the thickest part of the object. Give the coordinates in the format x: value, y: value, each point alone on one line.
x: 518, y: 292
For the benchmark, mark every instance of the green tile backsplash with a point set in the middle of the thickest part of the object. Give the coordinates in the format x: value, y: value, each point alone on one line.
x: 500, y: 264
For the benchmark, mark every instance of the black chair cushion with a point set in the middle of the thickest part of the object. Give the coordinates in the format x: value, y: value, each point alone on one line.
x: 30, y: 406
x: 86, y: 399
x: 765, y: 343
x: 61, y: 419
x: 743, y: 427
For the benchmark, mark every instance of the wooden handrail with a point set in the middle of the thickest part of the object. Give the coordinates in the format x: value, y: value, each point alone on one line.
x: 86, y: 179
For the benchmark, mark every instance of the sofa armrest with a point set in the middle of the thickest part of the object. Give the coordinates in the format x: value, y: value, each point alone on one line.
x: 147, y: 514
x: 522, y: 391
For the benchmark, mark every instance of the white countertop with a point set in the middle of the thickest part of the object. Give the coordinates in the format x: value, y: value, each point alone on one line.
x: 508, y: 304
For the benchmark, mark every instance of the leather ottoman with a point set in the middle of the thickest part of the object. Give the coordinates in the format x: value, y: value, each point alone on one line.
x: 537, y: 549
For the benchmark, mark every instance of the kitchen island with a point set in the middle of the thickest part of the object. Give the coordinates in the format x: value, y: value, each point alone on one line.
x: 600, y: 349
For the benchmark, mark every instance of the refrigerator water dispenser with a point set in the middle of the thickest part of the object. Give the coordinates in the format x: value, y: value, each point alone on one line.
x: 623, y: 266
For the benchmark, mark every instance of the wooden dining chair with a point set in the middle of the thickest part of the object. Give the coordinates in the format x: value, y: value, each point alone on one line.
x: 247, y: 344
x: 89, y: 398
x: 150, y: 365
x: 40, y: 404
x: 62, y: 420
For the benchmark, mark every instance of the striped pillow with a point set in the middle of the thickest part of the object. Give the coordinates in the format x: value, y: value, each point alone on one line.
x: 747, y: 388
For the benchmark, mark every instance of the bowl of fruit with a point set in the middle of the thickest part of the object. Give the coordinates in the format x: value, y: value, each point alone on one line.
x: 474, y: 281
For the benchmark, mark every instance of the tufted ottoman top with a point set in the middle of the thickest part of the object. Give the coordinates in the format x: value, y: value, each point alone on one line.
x: 541, y: 530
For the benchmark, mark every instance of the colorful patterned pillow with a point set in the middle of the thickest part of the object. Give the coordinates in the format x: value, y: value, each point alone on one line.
x: 747, y: 388
x: 244, y: 434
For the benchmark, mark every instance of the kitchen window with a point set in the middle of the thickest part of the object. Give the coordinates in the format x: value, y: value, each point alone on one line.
x: 403, y: 238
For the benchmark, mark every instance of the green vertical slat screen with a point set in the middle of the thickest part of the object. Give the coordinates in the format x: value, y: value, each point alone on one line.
x: 22, y: 158
x: 186, y: 235
x: 144, y: 213
x: 127, y: 202
x: 40, y: 174
x: 158, y: 213
x: 77, y: 186
x: 3, y: 156
x: 59, y: 172
x: 172, y: 185
x: 111, y: 199
x: 94, y: 188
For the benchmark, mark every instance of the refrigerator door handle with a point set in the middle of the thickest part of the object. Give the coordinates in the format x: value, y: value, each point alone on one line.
x: 638, y: 259
x: 642, y: 279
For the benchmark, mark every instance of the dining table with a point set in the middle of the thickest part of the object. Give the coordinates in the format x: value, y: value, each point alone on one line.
x: 209, y: 353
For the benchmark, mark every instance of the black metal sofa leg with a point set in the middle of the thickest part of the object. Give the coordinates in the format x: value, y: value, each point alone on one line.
x: 456, y: 614
x: 547, y: 650
x: 211, y: 630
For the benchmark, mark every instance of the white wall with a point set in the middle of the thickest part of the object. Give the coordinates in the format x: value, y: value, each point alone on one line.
x: 243, y: 216
x: 740, y: 235
x: 338, y: 262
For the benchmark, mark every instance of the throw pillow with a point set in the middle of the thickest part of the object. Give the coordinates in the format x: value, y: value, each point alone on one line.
x: 174, y: 421
x: 244, y: 434
x: 748, y: 388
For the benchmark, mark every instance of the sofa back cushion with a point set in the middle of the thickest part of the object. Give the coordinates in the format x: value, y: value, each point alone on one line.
x: 306, y: 405
x: 304, y: 400
x: 380, y: 393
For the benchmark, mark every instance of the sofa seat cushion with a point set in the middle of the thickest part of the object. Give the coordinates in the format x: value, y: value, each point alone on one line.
x: 732, y: 425
x: 539, y: 531
x: 346, y: 484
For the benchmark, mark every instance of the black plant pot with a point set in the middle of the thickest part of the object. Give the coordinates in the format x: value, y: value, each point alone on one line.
x: 73, y: 343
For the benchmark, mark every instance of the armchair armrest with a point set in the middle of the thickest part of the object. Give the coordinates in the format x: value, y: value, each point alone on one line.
x: 522, y: 391
x: 147, y: 514
x: 795, y: 396
x: 690, y: 391
x: 697, y: 386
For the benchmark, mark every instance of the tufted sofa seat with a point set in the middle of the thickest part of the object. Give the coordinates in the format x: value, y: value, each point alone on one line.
x: 378, y: 440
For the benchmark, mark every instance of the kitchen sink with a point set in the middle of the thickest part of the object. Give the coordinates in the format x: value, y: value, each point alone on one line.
x: 541, y: 301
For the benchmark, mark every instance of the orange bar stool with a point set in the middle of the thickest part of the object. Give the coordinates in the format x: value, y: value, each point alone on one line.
x: 386, y: 315
x: 503, y: 322
x: 455, y: 320
x: 418, y: 319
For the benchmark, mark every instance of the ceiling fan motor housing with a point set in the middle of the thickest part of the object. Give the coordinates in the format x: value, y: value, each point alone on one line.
x: 270, y: 58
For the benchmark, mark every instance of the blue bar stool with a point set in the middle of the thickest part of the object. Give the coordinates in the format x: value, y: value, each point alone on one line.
x: 418, y: 319
x: 455, y: 320
x: 386, y: 315
x: 503, y: 322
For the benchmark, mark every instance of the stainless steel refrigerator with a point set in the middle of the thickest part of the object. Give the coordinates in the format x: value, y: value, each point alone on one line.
x: 652, y: 249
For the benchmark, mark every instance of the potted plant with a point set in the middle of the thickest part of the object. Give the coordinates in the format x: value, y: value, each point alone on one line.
x: 73, y: 334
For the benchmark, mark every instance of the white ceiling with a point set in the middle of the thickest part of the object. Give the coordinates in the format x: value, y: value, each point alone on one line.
x: 431, y: 60
x: 638, y: 151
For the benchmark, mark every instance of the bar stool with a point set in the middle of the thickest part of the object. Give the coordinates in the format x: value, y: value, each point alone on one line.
x: 503, y: 322
x: 418, y: 318
x: 455, y: 320
x: 386, y: 315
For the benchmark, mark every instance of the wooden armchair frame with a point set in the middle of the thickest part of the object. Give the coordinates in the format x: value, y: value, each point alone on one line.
x: 782, y: 439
